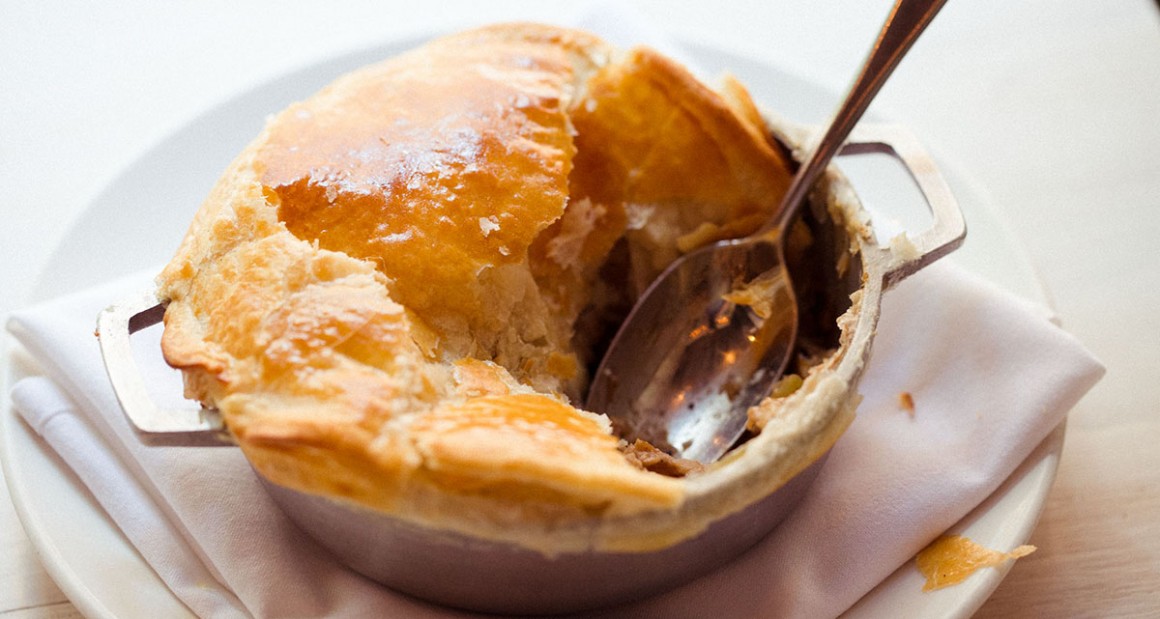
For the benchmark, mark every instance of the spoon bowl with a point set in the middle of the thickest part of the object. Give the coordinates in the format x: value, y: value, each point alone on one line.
x: 695, y: 364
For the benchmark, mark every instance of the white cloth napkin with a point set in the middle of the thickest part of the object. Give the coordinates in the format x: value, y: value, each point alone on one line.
x: 991, y: 376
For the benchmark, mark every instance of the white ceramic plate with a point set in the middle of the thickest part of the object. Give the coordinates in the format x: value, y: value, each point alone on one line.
x: 151, y: 203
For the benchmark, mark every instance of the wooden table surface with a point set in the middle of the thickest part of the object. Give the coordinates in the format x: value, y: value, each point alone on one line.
x: 1053, y: 107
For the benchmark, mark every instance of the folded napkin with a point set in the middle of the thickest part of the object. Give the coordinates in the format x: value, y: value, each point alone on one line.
x: 990, y: 376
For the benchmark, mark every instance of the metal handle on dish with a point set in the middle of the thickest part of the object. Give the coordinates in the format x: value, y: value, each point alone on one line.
x: 948, y: 230
x: 156, y: 426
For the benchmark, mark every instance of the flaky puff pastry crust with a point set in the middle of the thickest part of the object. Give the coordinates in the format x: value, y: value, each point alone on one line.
x: 385, y: 294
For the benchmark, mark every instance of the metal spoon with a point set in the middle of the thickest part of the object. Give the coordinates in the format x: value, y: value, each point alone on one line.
x: 710, y: 337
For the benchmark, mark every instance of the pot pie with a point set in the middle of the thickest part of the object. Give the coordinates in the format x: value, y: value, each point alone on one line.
x: 394, y: 294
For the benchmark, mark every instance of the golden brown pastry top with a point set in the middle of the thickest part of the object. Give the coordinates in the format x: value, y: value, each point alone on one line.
x: 391, y: 293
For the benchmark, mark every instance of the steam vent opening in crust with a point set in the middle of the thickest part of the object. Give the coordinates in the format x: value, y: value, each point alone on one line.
x: 397, y: 291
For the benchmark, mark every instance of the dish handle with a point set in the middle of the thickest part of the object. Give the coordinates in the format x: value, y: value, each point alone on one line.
x: 906, y: 255
x: 154, y: 425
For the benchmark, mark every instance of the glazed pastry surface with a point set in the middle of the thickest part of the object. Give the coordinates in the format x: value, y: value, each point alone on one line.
x: 394, y: 293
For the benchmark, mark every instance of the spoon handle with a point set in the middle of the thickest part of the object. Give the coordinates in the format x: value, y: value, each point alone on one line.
x: 905, y: 23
